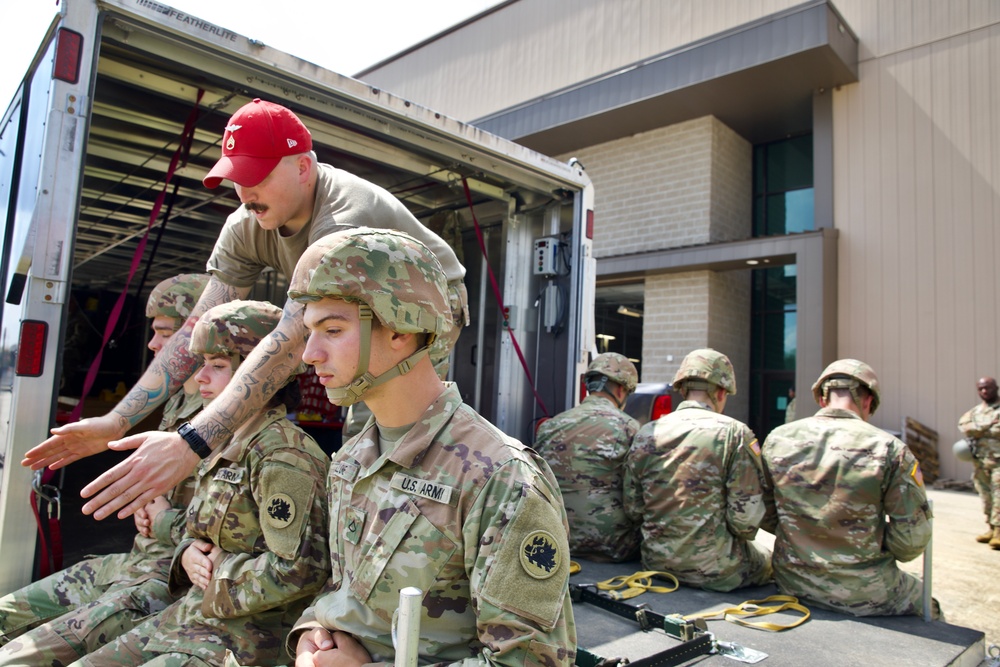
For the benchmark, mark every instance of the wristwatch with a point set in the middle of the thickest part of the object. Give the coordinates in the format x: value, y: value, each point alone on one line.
x: 194, y: 440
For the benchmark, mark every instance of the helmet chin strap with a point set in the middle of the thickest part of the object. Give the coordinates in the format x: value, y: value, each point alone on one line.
x: 353, y: 392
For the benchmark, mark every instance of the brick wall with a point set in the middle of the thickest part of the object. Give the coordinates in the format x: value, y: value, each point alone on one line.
x: 651, y: 189
x: 729, y: 331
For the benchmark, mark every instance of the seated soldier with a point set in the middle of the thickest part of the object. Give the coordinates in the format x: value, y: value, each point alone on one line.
x: 849, y: 501
x: 254, y: 551
x: 694, y: 479
x: 429, y: 494
x: 131, y: 586
x: 586, y: 447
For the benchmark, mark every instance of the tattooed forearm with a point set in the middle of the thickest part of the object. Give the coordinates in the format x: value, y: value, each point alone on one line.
x: 265, y: 370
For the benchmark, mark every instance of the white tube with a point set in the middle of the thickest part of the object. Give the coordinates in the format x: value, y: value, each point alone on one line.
x: 406, y: 633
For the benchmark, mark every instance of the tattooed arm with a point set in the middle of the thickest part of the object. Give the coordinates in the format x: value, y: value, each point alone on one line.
x: 165, y: 375
x: 163, y: 459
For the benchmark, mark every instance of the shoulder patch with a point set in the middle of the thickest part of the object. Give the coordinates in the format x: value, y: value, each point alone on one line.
x: 540, y: 554
x: 529, y: 570
x: 917, y: 474
x: 280, y: 510
x: 754, y: 446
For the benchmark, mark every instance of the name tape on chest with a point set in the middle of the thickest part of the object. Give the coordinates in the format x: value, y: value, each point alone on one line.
x: 231, y: 475
x: 422, y: 487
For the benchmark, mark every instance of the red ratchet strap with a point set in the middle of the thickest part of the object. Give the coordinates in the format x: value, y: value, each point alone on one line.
x: 499, y: 298
x: 182, y: 146
x: 50, y: 561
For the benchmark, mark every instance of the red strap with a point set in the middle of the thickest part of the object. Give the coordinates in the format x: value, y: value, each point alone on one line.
x: 137, y: 257
x: 45, y: 566
x: 499, y: 298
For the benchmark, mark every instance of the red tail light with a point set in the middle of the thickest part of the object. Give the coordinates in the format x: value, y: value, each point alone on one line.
x: 661, y: 406
x: 590, y: 224
x: 31, y: 348
x: 69, y: 46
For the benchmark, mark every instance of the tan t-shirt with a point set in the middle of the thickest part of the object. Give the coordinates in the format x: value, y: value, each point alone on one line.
x: 343, y: 200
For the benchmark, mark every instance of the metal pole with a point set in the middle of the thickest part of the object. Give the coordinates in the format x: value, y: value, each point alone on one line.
x: 928, y: 551
x: 406, y: 635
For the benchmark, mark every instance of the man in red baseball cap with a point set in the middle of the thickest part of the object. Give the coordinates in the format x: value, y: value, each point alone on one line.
x: 289, y: 200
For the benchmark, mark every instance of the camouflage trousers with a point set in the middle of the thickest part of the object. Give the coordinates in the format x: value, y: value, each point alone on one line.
x: 754, y: 570
x: 87, y: 628
x: 986, y: 479
x: 883, y: 592
x: 57, y: 594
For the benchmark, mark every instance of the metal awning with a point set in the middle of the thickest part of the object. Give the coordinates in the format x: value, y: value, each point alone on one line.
x: 759, y: 79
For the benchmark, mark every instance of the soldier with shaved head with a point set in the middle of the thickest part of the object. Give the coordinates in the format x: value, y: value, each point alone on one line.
x: 981, y: 428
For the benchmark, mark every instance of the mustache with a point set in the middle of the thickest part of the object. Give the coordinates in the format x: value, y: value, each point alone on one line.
x: 255, y: 207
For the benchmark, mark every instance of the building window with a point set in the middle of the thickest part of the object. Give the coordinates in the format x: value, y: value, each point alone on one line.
x: 783, y: 187
x: 773, y: 331
x: 618, y: 314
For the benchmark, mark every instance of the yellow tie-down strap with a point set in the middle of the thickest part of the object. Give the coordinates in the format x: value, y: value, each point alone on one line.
x: 769, y: 605
x: 626, y: 586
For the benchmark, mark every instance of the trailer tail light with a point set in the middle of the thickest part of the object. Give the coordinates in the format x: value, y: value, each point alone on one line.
x: 69, y: 47
x: 31, y: 348
x: 590, y: 224
x: 661, y: 406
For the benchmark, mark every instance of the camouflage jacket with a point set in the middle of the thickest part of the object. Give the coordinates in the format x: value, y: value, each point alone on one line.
x: 586, y: 446
x: 469, y: 516
x: 981, y: 424
x: 835, y: 479
x: 151, y: 556
x: 261, y: 500
x: 693, y: 478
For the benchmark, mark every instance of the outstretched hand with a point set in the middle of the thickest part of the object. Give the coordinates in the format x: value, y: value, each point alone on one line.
x: 161, y: 461
x: 75, y: 441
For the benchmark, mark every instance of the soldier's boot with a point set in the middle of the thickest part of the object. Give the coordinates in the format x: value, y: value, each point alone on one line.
x: 995, y: 540
x: 985, y: 537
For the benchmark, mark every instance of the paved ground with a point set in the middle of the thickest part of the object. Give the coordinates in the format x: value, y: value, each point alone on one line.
x: 965, y: 573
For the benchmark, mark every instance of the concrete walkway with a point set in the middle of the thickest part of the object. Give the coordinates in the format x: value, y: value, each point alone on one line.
x: 966, y: 574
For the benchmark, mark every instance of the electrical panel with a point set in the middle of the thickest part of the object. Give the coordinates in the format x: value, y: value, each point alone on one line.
x: 546, y: 256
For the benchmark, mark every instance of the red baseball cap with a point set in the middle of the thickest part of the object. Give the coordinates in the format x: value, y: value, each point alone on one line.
x: 258, y: 135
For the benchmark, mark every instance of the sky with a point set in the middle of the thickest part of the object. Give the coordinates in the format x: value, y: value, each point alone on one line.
x: 341, y: 35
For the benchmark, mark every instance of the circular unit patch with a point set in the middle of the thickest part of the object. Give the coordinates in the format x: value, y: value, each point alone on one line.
x: 540, y: 556
x: 279, y: 510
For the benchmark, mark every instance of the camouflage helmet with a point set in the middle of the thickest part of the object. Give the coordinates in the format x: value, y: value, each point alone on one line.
x: 616, y: 368
x: 962, y: 450
x: 391, y: 272
x: 705, y: 369
x: 848, y: 374
x: 391, y: 276
x: 175, y: 297
x: 234, y: 328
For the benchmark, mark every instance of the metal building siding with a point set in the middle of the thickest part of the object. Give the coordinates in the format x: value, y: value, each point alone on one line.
x: 532, y: 47
x: 917, y: 183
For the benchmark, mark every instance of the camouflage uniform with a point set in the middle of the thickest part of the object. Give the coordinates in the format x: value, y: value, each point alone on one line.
x: 586, y: 447
x: 85, y: 605
x: 835, y: 480
x: 693, y: 477
x: 981, y: 425
x: 455, y: 507
x: 260, y: 499
x: 469, y: 516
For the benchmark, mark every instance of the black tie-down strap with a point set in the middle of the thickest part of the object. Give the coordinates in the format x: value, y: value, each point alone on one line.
x: 695, y: 638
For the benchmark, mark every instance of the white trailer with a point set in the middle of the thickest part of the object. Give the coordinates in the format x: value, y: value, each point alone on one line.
x: 84, y: 151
